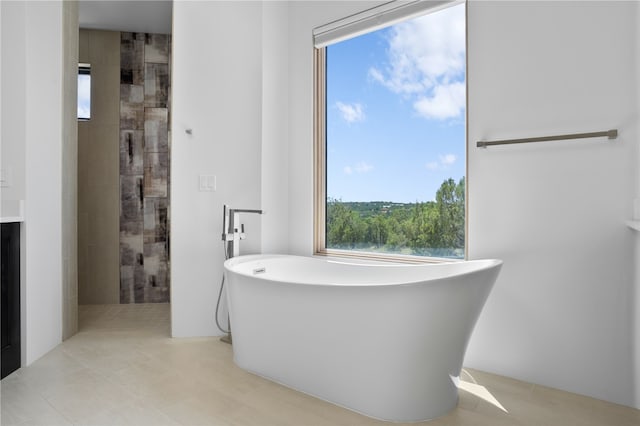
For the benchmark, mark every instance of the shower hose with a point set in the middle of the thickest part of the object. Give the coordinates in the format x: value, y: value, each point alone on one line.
x: 220, y: 294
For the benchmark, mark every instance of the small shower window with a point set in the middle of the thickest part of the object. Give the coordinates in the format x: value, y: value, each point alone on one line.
x: 84, y: 91
x: 390, y: 118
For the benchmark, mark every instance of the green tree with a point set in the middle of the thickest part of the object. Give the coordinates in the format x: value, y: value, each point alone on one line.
x: 397, y: 237
x: 421, y: 229
x: 345, y: 228
x: 433, y: 228
x: 377, y: 230
x: 450, y: 222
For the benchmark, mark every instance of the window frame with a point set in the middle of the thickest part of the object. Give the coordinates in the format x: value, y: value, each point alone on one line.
x: 320, y: 168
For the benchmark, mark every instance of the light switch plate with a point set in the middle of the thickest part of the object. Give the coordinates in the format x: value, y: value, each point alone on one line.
x: 207, y: 183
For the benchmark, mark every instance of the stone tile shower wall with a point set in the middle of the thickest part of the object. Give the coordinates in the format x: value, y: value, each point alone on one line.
x: 144, y: 167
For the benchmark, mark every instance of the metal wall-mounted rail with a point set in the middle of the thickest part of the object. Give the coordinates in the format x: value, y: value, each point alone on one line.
x: 611, y: 134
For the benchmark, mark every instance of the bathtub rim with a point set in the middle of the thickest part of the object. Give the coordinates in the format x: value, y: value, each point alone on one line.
x: 487, y: 264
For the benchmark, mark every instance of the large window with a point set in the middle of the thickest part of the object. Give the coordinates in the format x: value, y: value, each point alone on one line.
x: 390, y: 137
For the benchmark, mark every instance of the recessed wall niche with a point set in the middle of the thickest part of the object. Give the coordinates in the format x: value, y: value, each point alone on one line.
x: 144, y: 167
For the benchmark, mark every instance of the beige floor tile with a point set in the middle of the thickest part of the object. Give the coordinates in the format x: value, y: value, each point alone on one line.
x: 122, y: 368
x: 210, y: 408
x: 21, y: 405
x: 88, y: 396
x: 170, y: 390
x: 137, y: 413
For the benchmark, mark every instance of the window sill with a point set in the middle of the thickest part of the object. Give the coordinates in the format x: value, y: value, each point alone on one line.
x: 634, y: 224
x: 381, y: 257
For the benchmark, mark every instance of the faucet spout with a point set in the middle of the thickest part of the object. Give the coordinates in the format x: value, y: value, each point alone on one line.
x: 233, y: 230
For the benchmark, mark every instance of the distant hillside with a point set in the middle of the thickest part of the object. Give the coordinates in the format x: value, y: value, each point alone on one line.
x: 435, y: 228
x: 373, y: 208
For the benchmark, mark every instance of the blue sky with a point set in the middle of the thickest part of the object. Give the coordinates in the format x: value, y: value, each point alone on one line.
x: 396, y: 110
x: 84, y: 95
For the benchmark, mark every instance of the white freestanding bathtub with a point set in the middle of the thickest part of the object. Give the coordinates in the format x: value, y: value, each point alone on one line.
x: 386, y: 341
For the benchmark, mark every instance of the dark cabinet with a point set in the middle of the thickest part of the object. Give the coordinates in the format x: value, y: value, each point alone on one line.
x: 10, y: 321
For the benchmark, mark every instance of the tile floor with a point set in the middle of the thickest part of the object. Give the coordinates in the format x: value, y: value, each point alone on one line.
x: 122, y: 368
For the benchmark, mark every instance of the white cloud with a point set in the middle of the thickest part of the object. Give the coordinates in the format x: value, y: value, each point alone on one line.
x: 363, y: 167
x: 433, y: 165
x: 446, y: 101
x: 377, y: 75
x: 448, y: 159
x: 360, y: 167
x: 444, y: 161
x: 427, y: 63
x: 351, y: 112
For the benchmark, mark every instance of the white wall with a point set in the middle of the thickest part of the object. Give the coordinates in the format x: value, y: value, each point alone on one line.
x: 275, y: 127
x: 13, y: 98
x: 33, y: 59
x: 37, y: 132
x: 216, y: 92
x: 13, y: 125
x: 561, y: 313
x: 43, y: 183
x: 241, y: 119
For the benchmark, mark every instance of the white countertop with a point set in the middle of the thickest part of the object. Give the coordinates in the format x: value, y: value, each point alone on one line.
x: 12, y: 211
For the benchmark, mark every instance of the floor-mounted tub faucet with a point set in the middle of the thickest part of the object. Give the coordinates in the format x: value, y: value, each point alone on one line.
x: 232, y: 233
x: 233, y: 230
